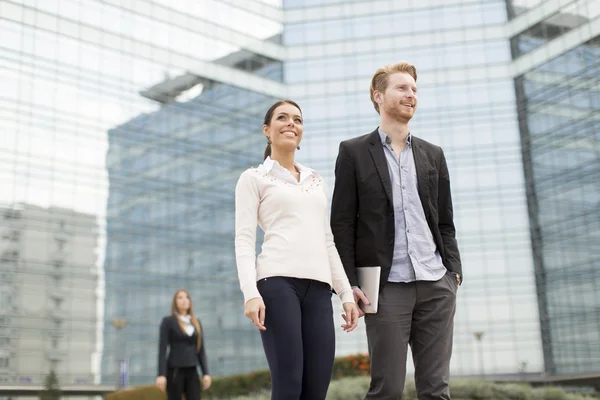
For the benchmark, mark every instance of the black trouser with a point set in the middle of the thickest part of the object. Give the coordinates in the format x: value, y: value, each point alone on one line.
x: 183, y: 380
x: 300, y: 340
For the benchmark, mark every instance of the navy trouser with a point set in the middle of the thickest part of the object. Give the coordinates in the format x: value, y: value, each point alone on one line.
x: 300, y: 340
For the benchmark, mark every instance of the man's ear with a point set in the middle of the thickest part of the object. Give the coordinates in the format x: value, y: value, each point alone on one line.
x: 378, y: 96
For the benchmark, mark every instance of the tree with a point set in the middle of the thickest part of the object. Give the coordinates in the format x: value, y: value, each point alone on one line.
x: 51, y: 389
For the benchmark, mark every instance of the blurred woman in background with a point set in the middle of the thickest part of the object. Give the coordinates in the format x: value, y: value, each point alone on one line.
x: 181, y: 333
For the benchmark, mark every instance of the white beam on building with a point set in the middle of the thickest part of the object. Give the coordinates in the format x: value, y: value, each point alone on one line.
x: 535, y: 15
x: 556, y: 47
x: 238, y: 78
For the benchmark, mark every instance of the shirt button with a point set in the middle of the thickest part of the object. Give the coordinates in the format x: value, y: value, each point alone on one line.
x: 408, y: 231
x: 403, y: 187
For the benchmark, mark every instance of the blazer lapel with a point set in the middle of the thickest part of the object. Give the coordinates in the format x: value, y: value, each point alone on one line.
x: 422, y: 168
x: 376, y: 150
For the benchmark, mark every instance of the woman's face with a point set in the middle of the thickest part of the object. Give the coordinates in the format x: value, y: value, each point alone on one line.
x: 285, y: 129
x: 182, y: 300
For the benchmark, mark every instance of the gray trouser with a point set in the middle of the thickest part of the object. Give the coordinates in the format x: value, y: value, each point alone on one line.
x: 420, y: 314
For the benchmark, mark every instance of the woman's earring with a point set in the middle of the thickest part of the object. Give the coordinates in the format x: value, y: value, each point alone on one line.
x: 268, y: 140
x: 298, y: 147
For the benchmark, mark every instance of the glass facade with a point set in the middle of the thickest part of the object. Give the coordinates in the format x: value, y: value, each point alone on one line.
x: 103, y: 114
x: 564, y: 19
x: 170, y: 218
x: 559, y: 111
x: 125, y: 125
x: 518, y: 7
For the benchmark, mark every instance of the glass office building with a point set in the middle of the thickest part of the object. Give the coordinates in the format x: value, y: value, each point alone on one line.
x: 467, y: 106
x: 559, y: 118
x: 141, y: 114
x: 170, y: 218
x: 111, y: 109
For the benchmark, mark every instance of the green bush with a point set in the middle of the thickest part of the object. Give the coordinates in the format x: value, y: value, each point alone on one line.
x: 253, y: 384
x: 149, y: 392
x: 51, y: 388
x: 355, y: 388
x: 239, y: 385
x: 350, y: 381
x: 354, y: 365
x: 260, y: 381
x: 262, y: 395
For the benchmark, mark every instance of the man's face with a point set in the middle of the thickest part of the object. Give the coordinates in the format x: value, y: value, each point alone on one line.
x: 399, y: 101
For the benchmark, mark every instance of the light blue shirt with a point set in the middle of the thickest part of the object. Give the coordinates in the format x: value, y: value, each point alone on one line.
x: 416, y: 257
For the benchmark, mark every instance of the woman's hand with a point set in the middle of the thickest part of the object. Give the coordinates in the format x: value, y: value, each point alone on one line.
x: 351, y: 316
x: 206, y: 381
x: 255, y: 310
x: 161, y: 382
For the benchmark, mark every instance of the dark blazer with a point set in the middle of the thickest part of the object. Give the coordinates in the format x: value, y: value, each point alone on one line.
x: 362, y: 209
x: 182, y: 348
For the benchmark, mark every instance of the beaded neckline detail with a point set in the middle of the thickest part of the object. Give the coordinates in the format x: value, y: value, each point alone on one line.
x: 307, y: 186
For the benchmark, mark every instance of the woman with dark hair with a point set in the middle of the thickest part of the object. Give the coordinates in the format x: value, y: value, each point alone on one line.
x: 181, y: 333
x: 288, y: 288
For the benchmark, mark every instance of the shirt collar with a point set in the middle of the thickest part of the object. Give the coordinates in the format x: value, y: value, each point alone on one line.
x: 385, y: 139
x: 185, y: 318
x: 270, y: 164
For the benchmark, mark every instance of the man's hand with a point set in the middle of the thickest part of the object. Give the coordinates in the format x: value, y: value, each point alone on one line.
x: 255, y: 310
x: 352, y: 314
x: 360, y: 296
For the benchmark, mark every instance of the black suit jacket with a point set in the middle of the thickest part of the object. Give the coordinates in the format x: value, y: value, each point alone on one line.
x: 182, y: 348
x: 362, y: 209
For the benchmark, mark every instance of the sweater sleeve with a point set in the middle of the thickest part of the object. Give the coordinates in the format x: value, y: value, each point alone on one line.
x: 163, y: 343
x: 247, y: 200
x: 340, y: 282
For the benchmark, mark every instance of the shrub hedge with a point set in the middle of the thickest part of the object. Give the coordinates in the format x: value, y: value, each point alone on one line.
x: 354, y: 388
x: 350, y: 380
x: 244, y: 384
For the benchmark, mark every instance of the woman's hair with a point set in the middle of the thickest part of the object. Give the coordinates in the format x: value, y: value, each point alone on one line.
x: 269, y: 116
x: 175, y: 312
